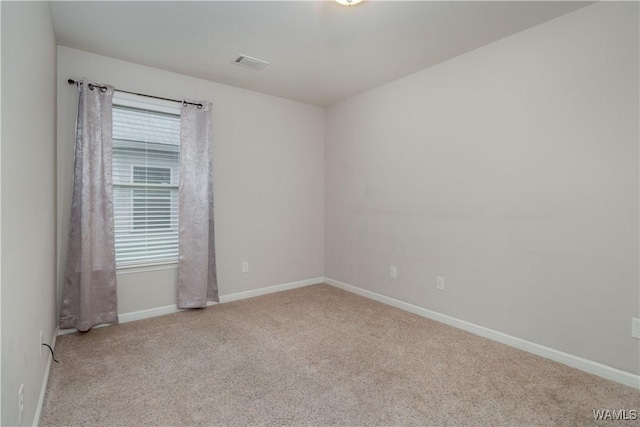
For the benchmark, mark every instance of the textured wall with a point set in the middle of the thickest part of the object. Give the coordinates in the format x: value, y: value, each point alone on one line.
x: 268, y: 171
x: 512, y: 171
x: 28, y: 202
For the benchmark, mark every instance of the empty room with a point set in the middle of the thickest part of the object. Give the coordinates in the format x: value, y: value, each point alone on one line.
x: 328, y: 213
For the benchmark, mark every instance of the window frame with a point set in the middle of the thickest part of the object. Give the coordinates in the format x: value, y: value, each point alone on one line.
x: 121, y: 99
x: 139, y: 186
x: 134, y: 165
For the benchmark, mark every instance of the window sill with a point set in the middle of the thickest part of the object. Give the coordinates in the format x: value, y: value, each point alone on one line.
x: 143, y: 268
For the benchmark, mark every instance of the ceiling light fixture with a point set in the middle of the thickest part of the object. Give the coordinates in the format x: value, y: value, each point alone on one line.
x: 348, y: 2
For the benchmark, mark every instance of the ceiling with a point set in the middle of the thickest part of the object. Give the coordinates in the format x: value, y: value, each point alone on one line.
x: 319, y: 52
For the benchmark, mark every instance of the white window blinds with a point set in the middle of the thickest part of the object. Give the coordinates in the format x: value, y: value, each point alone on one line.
x: 146, y: 150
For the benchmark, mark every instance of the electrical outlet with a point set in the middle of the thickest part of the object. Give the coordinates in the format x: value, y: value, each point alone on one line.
x: 635, y: 328
x: 393, y: 272
x: 20, y: 403
x: 440, y: 283
x: 245, y: 266
x: 41, y: 341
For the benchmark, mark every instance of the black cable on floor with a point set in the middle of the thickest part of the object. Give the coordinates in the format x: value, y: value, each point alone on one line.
x: 52, y: 355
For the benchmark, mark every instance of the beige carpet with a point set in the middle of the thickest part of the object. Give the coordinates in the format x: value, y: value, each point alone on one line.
x: 313, y: 356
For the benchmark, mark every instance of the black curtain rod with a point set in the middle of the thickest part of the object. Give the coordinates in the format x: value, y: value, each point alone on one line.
x: 73, y: 82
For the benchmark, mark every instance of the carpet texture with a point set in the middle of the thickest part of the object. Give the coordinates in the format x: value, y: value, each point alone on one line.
x: 313, y: 356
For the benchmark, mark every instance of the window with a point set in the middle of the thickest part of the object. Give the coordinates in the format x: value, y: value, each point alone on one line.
x: 146, y: 162
x: 146, y: 174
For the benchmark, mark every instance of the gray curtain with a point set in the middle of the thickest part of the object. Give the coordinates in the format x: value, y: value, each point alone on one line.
x: 197, y: 281
x: 89, y: 296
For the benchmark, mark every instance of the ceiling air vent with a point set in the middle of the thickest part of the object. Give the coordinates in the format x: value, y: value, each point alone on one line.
x: 249, y: 62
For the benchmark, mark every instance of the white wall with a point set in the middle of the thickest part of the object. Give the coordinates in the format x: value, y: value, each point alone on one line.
x: 512, y: 171
x: 268, y: 172
x: 28, y: 202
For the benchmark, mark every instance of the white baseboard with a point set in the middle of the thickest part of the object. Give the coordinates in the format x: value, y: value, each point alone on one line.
x: 173, y: 308
x: 145, y: 314
x: 586, y: 365
x: 270, y: 289
x: 45, y: 380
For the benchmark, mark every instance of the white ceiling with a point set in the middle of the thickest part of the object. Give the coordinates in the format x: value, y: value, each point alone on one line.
x: 319, y: 52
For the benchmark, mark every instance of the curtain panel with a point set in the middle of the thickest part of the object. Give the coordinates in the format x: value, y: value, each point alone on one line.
x: 89, y: 296
x: 197, y: 279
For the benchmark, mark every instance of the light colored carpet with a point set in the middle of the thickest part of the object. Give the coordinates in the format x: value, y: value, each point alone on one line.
x: 313, y: 356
